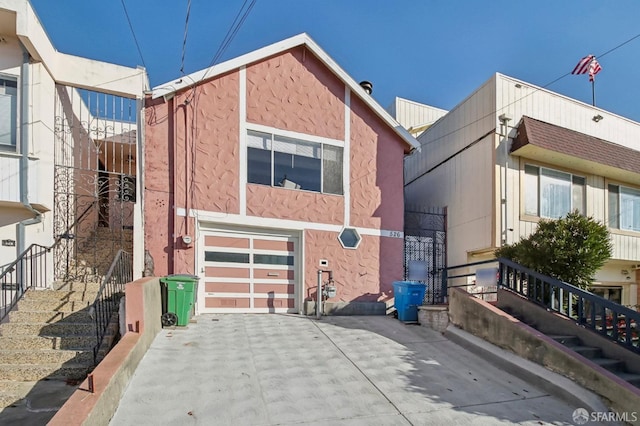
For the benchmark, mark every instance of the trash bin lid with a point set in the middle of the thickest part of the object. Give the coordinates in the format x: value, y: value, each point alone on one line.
x: 179, y: 277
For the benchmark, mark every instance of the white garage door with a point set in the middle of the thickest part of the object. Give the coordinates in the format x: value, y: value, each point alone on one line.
x: 244, y: 272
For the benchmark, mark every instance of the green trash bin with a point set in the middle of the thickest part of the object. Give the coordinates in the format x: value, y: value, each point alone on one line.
x: 178, y: 298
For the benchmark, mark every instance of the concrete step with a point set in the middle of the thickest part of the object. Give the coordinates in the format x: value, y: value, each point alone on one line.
x: 76, y: 286
x: 60, y: 295
x: 78, y: 343
x: 566, y: 340
x: 49, y: 316
x: 612, y: 365
x: 53, y: 330
x: 26, y: 372
x: 52, y: 305
x: 12, y: 391
x: 587, y: 351
x: 45, y: 356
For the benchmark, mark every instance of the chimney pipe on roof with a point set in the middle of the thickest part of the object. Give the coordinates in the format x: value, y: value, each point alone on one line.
x: 367, y: 86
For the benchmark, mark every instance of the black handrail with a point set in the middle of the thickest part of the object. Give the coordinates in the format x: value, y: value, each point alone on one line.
x: 615, y: 322
x: 29, y: 270
x: 107, y: 300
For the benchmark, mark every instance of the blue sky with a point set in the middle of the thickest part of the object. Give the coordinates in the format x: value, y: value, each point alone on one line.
x: 434, y: 52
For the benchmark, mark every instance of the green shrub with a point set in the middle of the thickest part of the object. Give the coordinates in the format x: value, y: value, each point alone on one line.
x: 570, y: 249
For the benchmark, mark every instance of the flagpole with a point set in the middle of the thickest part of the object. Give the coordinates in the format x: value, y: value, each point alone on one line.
x: 593, y: 91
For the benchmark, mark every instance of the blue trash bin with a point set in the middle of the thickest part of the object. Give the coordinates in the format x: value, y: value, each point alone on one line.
x: 407, y: 297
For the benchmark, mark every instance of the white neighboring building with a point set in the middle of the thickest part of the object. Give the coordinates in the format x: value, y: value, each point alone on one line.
x: 44, y: 99
x: 512, y: 153
x: 414, y: 116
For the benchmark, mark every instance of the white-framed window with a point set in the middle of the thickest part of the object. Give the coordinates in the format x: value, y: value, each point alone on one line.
x: 293, y: 163
x: 551, y: 193
x: 8, y: 112
x: 624, y: 208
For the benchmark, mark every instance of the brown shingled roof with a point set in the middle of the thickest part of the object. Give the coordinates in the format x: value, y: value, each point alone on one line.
x: 576, y: 144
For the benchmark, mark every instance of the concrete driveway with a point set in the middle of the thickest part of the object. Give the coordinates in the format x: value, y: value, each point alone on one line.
x: 287, y: 369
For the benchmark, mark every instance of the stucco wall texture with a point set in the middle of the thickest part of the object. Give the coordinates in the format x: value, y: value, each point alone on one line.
x: 192, y: 161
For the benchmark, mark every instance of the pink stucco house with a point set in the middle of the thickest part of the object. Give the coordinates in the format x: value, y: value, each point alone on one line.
x: 253, y: 170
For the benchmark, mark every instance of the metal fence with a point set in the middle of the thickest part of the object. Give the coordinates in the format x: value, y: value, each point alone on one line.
x: 425, y: 242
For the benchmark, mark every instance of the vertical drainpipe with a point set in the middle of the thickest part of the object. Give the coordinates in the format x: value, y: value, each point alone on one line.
x: 24, y: 154
x: 504, y: 119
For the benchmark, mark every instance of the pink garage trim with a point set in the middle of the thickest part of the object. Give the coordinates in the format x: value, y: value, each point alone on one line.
x: 226, y: 287
x: 230, y: 302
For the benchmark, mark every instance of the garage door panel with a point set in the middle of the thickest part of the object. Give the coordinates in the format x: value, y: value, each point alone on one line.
x: 274, y: 303
x: 231, y: 242
x: 227, y: 287
x: 227, y: 302
x: 259, y: 244
x: 274, y: 274
x: 222, y: 272
x: 276, y: 288
x: 246, y: 272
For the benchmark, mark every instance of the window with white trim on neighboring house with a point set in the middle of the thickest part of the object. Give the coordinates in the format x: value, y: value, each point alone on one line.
x: 551, y: 193
x: 8, y: 112
x: 276, y: 160
x: 624, y: 208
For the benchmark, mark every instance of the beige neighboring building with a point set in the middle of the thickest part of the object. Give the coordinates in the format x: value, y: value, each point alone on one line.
x: 414, y: 116
x: 512, y: 153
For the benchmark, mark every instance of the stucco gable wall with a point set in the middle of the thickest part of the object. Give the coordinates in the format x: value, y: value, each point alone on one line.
x: 376, y: 171
x: 294, y: 91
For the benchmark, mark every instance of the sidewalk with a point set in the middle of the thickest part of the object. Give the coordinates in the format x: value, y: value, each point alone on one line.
x: 287, y: 369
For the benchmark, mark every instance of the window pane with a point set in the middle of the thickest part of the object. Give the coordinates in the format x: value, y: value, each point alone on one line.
x: 259, y: 166
x: 8, y: 111
x: 332, y: 169
x: 629, y: 209
x: 300, y: 172
x: 296, y: 147
x: 272, y: 259
x: 259, y: 140
x: 614, y: 213
x: 577, y: 190
x: 530, y: 190
x: 219, y: 256
x: 555, y: 193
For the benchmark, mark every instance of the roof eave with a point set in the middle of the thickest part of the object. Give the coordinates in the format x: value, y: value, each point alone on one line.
x: 301, y: 39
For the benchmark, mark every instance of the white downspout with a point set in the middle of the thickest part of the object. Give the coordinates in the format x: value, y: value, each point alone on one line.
x: 24, y: 155
x: 504, y: 119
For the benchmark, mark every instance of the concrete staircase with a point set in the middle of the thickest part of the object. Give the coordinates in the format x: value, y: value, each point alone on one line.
x: 594, y: 354
x: 48, y: 337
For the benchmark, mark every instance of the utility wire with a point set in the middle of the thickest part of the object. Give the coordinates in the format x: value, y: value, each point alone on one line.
x: 231, y: 33
x: 133, y: 33
x: 184, y: 40
x: 525, y: 96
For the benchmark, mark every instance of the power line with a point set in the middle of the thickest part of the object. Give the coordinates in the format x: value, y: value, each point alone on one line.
x: 231, y: 33
x: 133, y: 33
x: 184, y: 40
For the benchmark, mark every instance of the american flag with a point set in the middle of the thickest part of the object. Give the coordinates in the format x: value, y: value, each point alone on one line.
x: 588, y: 64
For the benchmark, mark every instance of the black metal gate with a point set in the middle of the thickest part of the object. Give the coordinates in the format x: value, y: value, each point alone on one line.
x: 425, y: 241
x: 94, y: 181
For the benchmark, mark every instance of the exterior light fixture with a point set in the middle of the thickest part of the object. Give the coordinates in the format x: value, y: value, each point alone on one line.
x: 597, y: 118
